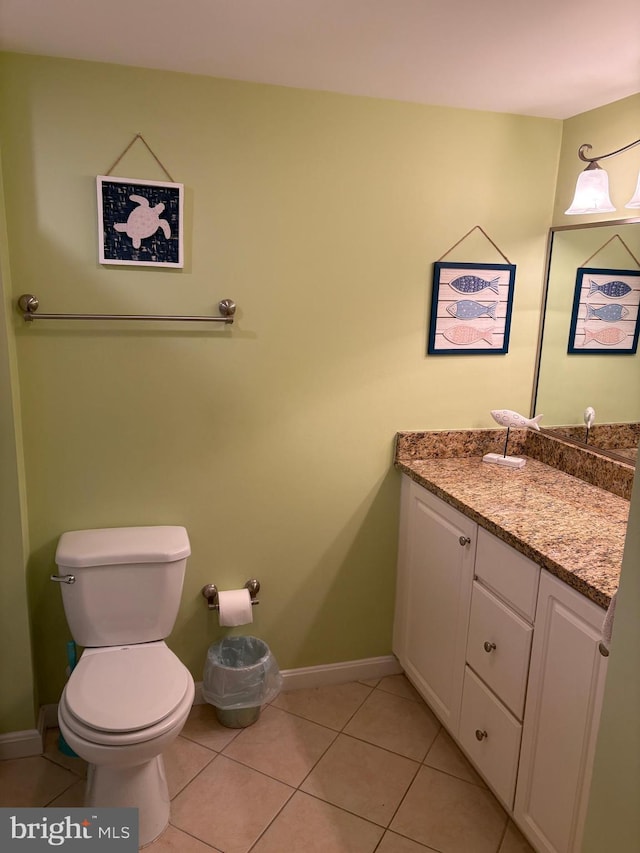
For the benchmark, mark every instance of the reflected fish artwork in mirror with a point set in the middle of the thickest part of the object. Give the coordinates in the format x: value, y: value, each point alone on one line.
x: 612, y: 289
x: 608, y: 313
x: 605, y: 312
x: 608, y: 380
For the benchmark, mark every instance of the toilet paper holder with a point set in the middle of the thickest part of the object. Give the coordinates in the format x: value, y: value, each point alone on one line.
x: 210, y: 592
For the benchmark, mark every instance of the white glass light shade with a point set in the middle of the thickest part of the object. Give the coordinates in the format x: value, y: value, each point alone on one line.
x: 635, y: 200
x: 592, y: 192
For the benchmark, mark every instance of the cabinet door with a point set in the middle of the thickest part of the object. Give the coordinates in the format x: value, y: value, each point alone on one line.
x: 561, y: 718
x: 435, y: 574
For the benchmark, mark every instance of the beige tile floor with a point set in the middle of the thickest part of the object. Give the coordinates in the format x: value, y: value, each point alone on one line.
x: 351, y: 768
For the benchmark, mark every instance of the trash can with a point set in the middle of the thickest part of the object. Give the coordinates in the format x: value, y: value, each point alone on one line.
x: 240, y: 675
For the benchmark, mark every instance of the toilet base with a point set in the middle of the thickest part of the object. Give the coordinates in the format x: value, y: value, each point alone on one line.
x: 143, y: 786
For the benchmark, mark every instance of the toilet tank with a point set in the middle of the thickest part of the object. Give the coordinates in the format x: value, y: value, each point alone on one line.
x: 128, y: 583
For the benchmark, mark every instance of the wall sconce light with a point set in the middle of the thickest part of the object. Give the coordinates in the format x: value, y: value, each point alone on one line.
x: 592, y: 187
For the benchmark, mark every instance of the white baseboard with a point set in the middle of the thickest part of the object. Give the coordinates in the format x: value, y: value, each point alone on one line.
x: 332, y: 673
x: 21, y: 744
x: 339, y: 673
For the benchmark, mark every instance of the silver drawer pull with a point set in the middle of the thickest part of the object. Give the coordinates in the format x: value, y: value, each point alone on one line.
x: 489, y: 647
x: 480, y: 734
x: 63, y: 578
x: 464, y: 540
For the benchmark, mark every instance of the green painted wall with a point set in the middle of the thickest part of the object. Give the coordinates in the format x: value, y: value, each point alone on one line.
x: 17, y: 700
x: 320, y: 215
x: 571, y: 382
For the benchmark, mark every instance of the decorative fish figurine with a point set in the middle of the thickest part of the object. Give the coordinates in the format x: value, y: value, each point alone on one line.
x: 608, y: 313
x: 472, y: 284
x: 507, y: 418
x: 612, y: 289
x: 467, y: 309
x: 609, y: 337
x: 468, y: 335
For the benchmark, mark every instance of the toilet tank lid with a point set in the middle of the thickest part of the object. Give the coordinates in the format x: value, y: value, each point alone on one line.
x: 111, y: 546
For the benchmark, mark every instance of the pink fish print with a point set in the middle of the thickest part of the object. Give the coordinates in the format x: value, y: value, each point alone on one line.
x: 468, y: 335
x: 608, y: 337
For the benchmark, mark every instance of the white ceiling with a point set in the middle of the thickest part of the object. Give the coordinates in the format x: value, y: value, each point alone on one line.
x: 552, y: 58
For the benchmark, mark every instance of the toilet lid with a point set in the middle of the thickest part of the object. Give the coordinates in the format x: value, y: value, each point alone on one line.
x: 126, y: 688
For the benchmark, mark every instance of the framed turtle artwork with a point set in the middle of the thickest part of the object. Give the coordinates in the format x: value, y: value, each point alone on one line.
x: 605, y: 317
x: 140, y: 223
x: 471, y: 307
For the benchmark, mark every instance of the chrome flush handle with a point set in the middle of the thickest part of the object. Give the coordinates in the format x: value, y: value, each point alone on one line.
x: 63, y: 578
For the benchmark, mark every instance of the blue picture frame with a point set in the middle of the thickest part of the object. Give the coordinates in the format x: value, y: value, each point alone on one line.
x: 471, y: 307
x: 605, y: 314
x: 140, y: 223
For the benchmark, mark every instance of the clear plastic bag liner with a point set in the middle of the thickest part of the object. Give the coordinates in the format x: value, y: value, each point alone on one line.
x: 240, y: 672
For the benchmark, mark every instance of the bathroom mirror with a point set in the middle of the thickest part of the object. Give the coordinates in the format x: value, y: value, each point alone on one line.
x: 566, y: 384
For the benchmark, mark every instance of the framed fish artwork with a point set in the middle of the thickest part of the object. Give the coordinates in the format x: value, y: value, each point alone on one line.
x: 604, y: 319
x: 471, y: 308
x: 140, y: 222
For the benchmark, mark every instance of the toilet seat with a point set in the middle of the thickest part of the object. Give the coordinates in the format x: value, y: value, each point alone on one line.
x: 126, y: 694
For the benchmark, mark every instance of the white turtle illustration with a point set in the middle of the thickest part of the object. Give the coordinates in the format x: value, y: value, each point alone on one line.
x: 143, y: 221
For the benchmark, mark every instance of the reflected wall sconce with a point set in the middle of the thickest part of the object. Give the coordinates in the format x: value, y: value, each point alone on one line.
x: 592, y: 187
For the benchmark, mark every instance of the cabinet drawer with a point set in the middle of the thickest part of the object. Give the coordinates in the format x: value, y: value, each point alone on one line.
x: 508, y: 573
x: 498, y: 648
x: 496, y: 752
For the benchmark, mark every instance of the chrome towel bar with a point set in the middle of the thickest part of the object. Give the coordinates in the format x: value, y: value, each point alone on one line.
x: 29, y: 304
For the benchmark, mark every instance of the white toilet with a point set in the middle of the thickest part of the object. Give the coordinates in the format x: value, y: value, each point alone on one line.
x: 129, y: 695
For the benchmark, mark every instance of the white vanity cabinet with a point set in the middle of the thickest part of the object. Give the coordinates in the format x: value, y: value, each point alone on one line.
x: 507, y: 657
x: 433, y: 597
x: 562, y: 714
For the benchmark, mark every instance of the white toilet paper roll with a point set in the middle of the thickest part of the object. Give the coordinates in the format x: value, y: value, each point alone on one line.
x: 235, y: 607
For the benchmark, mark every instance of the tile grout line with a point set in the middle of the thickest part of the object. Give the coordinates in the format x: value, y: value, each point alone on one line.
x: 504, y: 834
x: 366, y: 698
x: 424, y: 847
x: 184, y: 831
x: 60, y: 793
x: 193, y: 778
x: 404, y: 796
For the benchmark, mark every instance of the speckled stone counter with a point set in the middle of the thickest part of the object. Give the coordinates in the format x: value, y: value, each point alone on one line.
x: 571, y: 528
x: 589, y: 464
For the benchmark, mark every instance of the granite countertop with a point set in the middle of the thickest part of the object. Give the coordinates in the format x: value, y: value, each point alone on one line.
x: 573, y: 529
